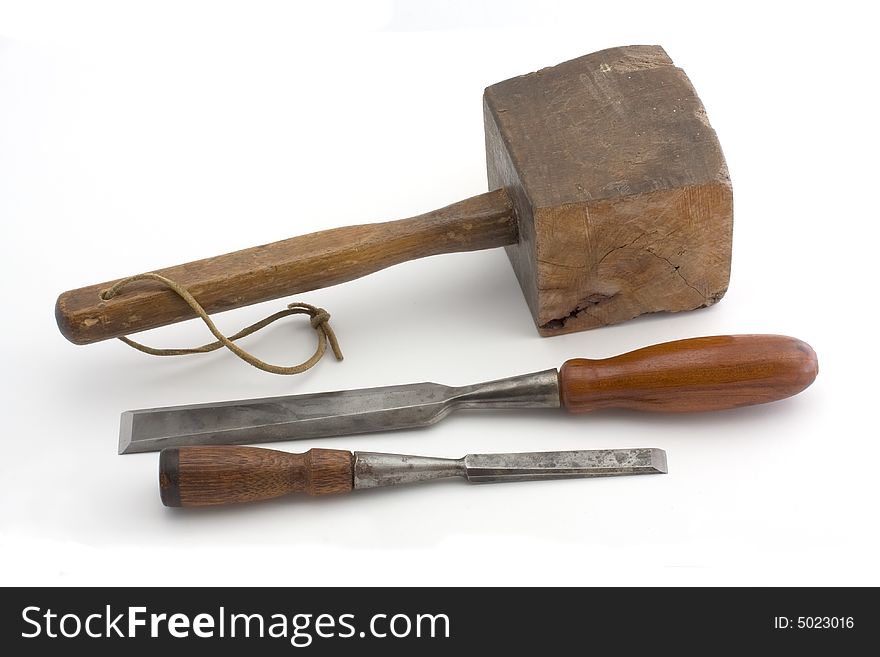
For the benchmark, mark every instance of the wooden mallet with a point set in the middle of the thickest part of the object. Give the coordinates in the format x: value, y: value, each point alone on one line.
x: 610, y: 195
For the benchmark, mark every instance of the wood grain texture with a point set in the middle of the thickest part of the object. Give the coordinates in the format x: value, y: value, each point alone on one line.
x: 207, y: 475
x: 698, y: 374
x: 291, y: 266
x: 620, y: 188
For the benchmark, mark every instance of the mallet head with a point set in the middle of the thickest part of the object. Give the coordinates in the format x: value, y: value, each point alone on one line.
x: 621, y: 191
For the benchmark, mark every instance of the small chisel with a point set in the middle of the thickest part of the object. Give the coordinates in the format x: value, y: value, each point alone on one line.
x: 699, y: 374
x: 206, y: 475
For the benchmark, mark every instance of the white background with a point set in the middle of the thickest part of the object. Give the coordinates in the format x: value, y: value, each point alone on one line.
x: 138, y: 135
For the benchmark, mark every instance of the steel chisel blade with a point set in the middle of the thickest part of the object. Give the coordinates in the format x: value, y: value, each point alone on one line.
x: 317, y: 415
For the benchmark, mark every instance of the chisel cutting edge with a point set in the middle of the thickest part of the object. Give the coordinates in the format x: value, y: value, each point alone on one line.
x: 699, y: 374
x: 209, y: 476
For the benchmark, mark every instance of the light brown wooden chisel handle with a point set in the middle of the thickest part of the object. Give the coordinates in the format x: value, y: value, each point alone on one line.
x: 699, y: 374
x: 206, y: 476
x: 295, y: 265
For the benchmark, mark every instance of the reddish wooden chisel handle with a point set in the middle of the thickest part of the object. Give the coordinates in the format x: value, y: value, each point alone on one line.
x: 699, y: 374
x: 209, y: 475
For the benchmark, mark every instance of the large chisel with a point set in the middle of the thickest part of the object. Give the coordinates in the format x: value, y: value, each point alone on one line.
x: 698, y: 374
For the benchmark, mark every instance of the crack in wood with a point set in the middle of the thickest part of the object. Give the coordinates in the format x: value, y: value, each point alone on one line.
x: 584, y: 307
x: 675, y: 268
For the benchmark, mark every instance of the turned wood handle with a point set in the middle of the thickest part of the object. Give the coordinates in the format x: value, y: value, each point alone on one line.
x: 205, y: 476
x: 295, y: 265
x: 699, y: 374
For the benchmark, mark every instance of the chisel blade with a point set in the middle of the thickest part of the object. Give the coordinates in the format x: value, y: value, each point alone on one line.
x: 317, y: 415
x: 531, y: 466
x: 375, y: 469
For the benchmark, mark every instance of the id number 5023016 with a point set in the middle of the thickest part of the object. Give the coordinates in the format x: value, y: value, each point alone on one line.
x: 814, y: 623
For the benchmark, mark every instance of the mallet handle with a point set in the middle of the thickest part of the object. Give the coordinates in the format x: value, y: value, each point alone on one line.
x: 291, y: 266
x: 699, y: 374
x: 206, y: 475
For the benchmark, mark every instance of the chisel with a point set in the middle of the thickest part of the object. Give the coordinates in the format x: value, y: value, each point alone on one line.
x: 209, y: 476
x: 698, y: 374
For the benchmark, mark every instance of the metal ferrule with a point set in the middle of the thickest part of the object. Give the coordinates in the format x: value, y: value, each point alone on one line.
x: 536, y: 390
x: 374, y: 469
